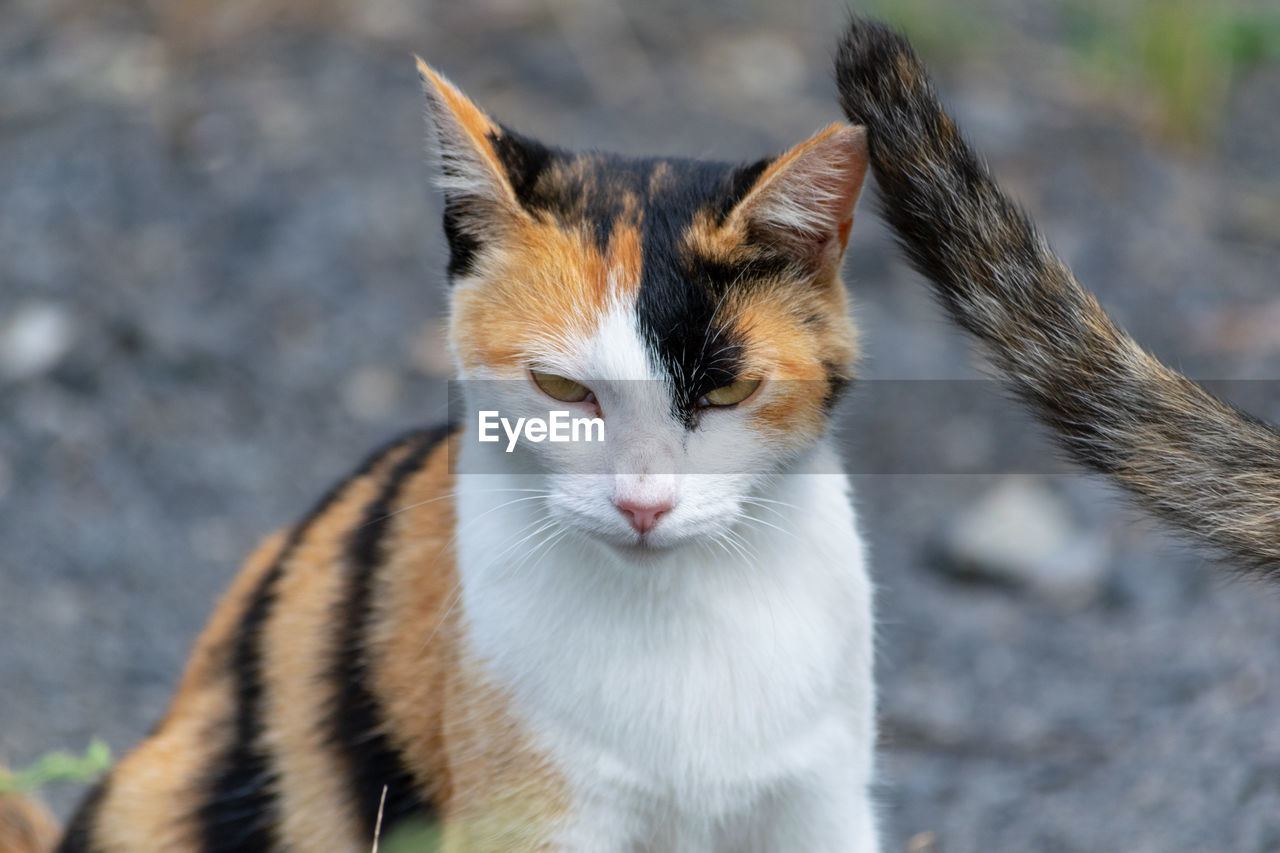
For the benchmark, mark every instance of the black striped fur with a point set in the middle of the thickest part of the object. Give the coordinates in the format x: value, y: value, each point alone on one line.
x: 358, y: 720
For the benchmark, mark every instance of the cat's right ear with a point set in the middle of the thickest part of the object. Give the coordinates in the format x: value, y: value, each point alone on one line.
x: 475, y: 161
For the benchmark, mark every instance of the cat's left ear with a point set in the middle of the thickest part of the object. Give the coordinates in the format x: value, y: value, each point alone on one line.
x: 802, y: 203
x: 483, y: 169
x: 465, y: 142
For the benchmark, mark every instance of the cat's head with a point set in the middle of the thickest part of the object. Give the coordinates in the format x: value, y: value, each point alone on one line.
x: 695, y: 306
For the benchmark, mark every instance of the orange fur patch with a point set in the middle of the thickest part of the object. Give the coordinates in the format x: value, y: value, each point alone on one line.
x: 795, y: 334
x: 455, y: 729
x: 547, y: 282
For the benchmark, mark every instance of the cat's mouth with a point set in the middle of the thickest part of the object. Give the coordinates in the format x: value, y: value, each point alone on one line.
x: 642, y: 545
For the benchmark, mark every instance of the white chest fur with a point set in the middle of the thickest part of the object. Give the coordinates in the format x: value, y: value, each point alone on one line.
x: 692, y: 687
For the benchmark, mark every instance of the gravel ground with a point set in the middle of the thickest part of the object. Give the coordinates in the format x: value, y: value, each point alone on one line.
x: 220, y: 273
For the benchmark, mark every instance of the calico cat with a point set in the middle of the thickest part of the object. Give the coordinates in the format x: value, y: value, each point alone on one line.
x: 575, y: 648
x: 1191, y: 458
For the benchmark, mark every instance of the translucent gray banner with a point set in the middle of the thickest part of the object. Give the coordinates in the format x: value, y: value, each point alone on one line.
x: 879, y: 427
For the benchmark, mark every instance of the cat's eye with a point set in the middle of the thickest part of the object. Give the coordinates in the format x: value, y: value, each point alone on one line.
x: 731, y: 394
x: 560, y: 388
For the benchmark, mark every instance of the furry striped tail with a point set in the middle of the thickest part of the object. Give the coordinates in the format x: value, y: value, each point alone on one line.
x: 25, y: 826
x: 1187, y: 456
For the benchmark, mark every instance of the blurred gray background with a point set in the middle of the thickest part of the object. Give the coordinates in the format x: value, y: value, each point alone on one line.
x: 220, y: 283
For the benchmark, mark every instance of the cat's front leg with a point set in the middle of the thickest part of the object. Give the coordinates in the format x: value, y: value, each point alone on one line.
x: 834, y: 820
x: 827, y: 808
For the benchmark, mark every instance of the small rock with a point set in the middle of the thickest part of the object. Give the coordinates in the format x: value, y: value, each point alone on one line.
x: 923, y: 842
x: 1023, y: 534
x: 34, y: 340
x: 136, y: 72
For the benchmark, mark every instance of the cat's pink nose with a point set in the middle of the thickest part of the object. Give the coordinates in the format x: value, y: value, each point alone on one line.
x: 643, y: 516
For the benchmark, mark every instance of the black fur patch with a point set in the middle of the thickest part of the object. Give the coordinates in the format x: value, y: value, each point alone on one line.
x: 838, y: 382
x: 466, y: 217
x: 358, y: 721
x: 680, y: 294
x: 523, y: 159
x: 463, y: 245
x: 78, y: 837
x: 240, y: 811
x: 589, y: 191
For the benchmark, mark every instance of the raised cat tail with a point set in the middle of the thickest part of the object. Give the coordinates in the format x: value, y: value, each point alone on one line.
x: 1184, y: 454
x: 25, y: 825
